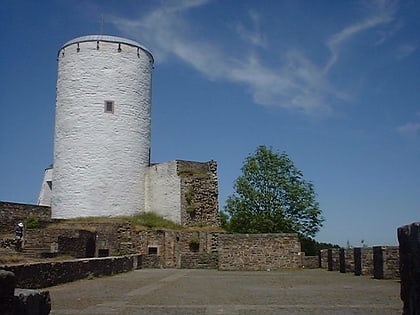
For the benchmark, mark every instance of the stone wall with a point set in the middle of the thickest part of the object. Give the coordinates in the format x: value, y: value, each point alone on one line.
x: 363, y: 261
x: 200, y: 261
x: 199, y: 193
x: 386, y: 262
x: 185, y: 192
x: 323, y: 258
x: 163, y: 190
x: 46, y: 274
x: 112, y: 238
x: 21, y: 301
x: 259, y: 251
x: 346, y: 260
x: 310, y: 262
x: 409, y: 239
x: 13, y: 213
x: 170, y: 246
x: 333, y: 259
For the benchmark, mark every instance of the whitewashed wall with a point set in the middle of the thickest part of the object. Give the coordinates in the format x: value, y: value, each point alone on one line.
x: 163, y: 191
x: 45, y: 194
x: 100, y: 158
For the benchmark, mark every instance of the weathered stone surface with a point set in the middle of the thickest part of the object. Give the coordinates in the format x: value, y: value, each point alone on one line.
x: 333, y: 259
x: 386, y: 262
x: 32, y: 302
x: 259, y: 251
x: 324, y: 258
x: 13, y: 213
x: 199, y: 261
x: 7, y: 289
x: 46, y: 274
x: 310, y: 262
x: 409, y: 239
x: 346, y: 260
x: 363, y: 261
x: 199, y: 193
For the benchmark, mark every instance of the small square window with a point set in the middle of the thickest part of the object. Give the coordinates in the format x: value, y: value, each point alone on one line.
x: 109, y: 107
x: 152, y: 250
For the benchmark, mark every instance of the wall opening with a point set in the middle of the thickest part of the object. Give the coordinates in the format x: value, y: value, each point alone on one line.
x: 109, y: 107
x: 152, y: 250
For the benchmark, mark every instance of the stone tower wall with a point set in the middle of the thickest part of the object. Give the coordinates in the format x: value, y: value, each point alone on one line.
x: 100, y: 153
x: 199, y: 193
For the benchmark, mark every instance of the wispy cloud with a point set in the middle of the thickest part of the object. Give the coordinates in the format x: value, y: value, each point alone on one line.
x: 409, y: 129
x: 252, y: 35
x: 295, y: 83
x: 382, y: 13
x: 405, y: 50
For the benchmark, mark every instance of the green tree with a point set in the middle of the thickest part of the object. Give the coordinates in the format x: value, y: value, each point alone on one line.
x: 271, y: 196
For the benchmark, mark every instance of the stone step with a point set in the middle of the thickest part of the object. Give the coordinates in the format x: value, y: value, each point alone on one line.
x: 34, y: 252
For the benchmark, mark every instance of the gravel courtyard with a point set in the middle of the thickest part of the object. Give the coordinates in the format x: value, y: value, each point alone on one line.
x: 181, y: 291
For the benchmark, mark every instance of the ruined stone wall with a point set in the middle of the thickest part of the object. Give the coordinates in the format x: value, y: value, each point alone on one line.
x: 310, y: 262
x: 46, y: 274
x: 367, y: 261
x: 346, y: 260
x: 171, y: 246
x: 259, y: 251
x: 333, y: 259
x: 386, y: 262
x: 113, y: 239
x: 199, y: 261
x: 199, y: 193
x: 323, y: 258
x: 13, y: 213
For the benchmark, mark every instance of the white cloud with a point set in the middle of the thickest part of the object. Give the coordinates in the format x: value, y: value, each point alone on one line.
x: 409, y: 129
x: 254, y: 35
x: 295, y: 83
x: 383, y: 12
x: 405, y: 50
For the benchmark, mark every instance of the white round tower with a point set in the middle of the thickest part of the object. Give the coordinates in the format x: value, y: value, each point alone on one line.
x: 102, y: 127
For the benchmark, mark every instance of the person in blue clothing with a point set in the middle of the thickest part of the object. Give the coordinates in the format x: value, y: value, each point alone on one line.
x: 19, y: 236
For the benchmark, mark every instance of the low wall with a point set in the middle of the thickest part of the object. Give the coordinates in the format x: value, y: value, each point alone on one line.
x: 200, y: 261
x: 323, y: 258
x: 333, y: 259
x: 46, y: 274
x: 259, y: 251
x: 386, y: 262
x: 363, y: 261
x: 346, y: 260
x: 21, y: 301
x: 310, y: 262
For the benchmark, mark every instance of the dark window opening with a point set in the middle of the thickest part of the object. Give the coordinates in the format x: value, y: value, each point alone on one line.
x: 109, y: 107
x: 152, y: 250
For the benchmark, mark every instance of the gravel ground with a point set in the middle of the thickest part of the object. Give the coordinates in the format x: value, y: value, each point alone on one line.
x: 181, y: 291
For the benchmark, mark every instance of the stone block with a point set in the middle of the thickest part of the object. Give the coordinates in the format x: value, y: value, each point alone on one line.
x: 409, y: 239
x: 32, y: 302
x: 7, y: 289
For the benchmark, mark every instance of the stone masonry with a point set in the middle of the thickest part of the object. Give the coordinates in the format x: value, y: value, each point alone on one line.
x: 409, y: 239
x: 259, y: 251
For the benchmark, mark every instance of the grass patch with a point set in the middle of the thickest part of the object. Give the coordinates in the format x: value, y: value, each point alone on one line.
x: 152, y: 220
x: 140, y: 221
x: 11, y: 259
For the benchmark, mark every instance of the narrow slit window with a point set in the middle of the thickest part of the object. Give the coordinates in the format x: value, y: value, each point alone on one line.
x: 109, y: 107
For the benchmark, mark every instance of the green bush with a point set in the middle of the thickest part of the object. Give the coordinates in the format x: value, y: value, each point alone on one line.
x: 32, y: 222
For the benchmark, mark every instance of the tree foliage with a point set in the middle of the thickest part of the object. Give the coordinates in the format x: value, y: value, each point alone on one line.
x: 271, y: 196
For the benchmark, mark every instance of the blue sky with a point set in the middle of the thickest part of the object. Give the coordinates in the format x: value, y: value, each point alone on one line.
x: 335, y: 84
